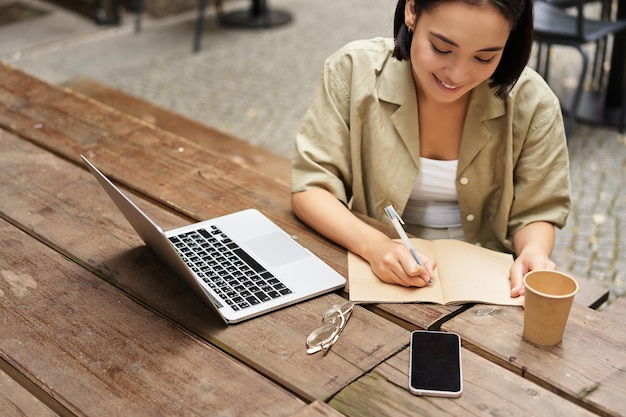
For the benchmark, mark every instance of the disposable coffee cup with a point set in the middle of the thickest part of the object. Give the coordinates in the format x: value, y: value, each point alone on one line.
x: 548, y: 301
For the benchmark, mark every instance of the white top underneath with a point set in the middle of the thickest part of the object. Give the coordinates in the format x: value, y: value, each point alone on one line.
x: 434, y: 201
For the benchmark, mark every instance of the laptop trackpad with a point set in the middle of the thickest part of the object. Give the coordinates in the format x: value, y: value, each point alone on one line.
x: 276, y: 249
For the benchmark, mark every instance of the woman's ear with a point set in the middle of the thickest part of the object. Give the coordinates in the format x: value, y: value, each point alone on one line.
x: 410, y: 18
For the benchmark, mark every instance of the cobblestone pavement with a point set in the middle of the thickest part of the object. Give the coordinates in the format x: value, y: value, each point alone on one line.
x: 257, y: 84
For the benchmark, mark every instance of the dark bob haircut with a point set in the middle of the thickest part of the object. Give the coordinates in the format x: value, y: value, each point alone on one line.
x: 516, y: 51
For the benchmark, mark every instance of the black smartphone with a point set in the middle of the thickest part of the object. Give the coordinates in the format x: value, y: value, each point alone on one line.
x: 435, y: 364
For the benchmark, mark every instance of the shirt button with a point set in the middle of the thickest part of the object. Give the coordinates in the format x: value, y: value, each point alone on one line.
x: 470, y: 217
x: 464, y: 181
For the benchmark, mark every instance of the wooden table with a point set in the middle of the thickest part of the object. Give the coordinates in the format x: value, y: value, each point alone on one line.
x: 93, y: 324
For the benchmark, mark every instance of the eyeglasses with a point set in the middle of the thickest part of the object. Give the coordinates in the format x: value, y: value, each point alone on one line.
x: 334, y: 321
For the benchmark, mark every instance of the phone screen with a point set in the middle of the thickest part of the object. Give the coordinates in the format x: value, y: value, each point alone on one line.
x: 435, y: 364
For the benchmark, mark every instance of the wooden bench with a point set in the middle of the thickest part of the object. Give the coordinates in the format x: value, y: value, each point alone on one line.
x: 264, y: 161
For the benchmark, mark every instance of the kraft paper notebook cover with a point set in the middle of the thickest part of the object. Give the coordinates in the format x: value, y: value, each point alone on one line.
x: 465, y: 274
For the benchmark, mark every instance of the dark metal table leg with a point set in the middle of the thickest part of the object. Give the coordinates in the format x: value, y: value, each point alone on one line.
x: 138, y: 15
x: 199, y: 24
x: 257, y: 17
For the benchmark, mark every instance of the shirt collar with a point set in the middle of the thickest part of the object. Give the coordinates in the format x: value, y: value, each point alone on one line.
x: 483, y: 107
x: 396, y: 86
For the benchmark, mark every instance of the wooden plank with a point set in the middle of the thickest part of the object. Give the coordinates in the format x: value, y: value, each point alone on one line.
x: 489, y: 390
x: 64, y: 206
x: 16, y: 401
x: 270, y: 164
x: 616, y: 310
x: 94, y: 351
x: 588, y: 367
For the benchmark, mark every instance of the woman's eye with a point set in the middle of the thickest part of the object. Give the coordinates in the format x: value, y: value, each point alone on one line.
x: 438, y: 51
x: 484, y: 61
x: 442, y: 52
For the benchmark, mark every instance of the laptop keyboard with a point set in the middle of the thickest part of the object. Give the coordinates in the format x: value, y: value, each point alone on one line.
x: 227, y: 269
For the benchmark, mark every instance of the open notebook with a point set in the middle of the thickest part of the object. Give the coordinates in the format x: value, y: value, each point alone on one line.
x: 465, y: 274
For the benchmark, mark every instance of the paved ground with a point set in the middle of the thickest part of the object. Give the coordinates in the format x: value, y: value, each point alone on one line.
x: 257, y: 85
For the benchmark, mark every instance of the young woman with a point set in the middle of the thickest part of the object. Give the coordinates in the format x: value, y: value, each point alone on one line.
x: 446, y: 123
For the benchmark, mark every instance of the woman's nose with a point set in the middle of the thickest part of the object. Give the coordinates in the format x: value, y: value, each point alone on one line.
x: 457, y: 72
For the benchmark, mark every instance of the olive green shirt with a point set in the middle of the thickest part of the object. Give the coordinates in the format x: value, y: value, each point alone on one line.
x: 360, y: 141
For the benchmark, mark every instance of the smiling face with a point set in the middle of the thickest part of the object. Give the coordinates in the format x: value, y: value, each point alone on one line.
x: 455, y: 47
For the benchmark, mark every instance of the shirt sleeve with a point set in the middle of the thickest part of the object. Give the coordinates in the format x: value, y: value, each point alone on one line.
x: 541, y: 174
x: 322, y: 149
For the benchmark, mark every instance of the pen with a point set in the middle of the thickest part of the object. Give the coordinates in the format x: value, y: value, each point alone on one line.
x: 397, y: 222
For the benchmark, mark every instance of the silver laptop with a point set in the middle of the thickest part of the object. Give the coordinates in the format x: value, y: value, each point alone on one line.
x: 242, y: 264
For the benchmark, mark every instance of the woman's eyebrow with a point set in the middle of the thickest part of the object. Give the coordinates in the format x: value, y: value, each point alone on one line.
x: 451, y: 42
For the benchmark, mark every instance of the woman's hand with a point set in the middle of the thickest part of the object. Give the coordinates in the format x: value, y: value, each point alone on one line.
x: 393, y: 263
x: 524, y: 264
x: 533, y: 244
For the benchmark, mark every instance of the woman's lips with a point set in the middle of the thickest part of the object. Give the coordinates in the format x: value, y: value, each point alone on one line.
x: 446, y: 86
